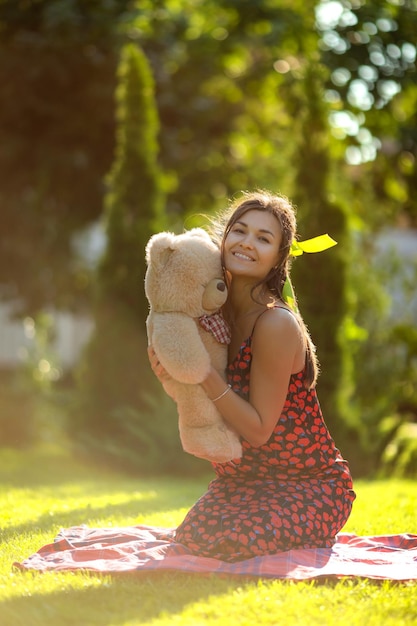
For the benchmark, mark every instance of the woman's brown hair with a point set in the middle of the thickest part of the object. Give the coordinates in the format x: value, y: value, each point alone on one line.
x: 281, y: 208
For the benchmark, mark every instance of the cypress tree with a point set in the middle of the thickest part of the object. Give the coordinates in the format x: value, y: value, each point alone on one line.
x: 134, y: 202
x: 115, y: 375
x: 321, y: 279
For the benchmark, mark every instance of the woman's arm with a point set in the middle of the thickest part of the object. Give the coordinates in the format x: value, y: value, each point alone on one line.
x: 277, y: 352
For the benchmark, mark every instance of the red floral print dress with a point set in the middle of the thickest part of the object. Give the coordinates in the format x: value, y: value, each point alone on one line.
x: 294, y: 491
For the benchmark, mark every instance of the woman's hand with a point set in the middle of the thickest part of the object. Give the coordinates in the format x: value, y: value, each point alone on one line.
x: 162, y: 375
x: 159, y: 371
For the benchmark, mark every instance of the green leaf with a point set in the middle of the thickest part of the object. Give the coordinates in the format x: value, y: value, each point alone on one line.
x: 288, y: 295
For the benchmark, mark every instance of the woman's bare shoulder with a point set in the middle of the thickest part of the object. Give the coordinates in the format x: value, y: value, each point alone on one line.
x: 279, y: 327
x: 278, y: 318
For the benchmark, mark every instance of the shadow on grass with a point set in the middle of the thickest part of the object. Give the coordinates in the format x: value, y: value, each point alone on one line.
x: 51, y: 523
x: 144, y: 597
x: 55, y: 476
x: 119, y: 599
x: 38, y: 467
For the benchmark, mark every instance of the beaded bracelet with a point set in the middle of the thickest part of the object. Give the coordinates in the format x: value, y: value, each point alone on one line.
x: 228, y: 388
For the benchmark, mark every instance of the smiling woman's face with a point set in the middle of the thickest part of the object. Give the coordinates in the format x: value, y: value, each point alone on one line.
x: 251, y: 247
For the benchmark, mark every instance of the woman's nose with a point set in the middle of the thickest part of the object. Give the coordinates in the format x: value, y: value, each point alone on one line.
x: 247, y: 242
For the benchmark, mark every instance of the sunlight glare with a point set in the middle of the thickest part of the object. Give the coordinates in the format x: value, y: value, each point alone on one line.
x: 328, y: 14
x: 359, y: 95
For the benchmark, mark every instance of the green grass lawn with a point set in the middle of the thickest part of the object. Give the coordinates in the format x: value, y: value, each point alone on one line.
x: 43, y: 490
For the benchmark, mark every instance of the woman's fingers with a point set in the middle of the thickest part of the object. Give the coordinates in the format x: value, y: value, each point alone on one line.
x: 159, y: 371
x: 153, y: 359
x: 151, y: 353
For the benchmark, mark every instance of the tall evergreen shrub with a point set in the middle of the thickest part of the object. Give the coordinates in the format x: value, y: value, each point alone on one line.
x: 321, y: 279
x: 115, y: 378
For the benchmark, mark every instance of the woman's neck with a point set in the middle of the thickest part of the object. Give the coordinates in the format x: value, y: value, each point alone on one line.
x: 243, y: 303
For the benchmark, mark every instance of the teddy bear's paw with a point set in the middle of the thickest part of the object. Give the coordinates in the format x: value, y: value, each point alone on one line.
x: 217, y: 445
x: 232, y: 438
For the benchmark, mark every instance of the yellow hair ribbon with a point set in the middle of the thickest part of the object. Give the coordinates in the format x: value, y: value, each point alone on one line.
x: 316, y: 244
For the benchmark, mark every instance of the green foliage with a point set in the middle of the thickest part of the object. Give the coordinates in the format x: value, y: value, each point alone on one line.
x: 214, y: 66
x: 321, y: 280
x: 399, y: 457
x: 385, y: 359
x: 370, y: 49
x: 135, y: 200
x: 229, y: 86
x: 57, y: 71
x: 223, y: 73
x: 142, y: 442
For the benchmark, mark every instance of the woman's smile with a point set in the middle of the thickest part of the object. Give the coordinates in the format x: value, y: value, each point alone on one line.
x: 243, y: 256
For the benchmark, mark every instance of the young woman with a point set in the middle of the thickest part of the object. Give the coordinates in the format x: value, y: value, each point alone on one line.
x: 291, y: 488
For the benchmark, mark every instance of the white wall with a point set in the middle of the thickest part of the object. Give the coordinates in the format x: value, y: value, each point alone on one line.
x: 399, y: 245
x: 72, y: 332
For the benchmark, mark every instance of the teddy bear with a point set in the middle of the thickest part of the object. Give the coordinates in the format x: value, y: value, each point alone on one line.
x: 185, y: 290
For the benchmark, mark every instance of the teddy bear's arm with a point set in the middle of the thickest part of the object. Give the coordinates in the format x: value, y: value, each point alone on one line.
x: 177, y: 342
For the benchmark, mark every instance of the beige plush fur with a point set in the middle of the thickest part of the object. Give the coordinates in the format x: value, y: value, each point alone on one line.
x: 183, y: 282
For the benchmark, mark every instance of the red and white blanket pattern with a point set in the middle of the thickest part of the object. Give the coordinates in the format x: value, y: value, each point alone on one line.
x: 147, y: 548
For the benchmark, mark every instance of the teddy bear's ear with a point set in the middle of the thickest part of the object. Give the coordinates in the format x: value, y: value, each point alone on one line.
x: 159, y: 249
x: 199, y: 232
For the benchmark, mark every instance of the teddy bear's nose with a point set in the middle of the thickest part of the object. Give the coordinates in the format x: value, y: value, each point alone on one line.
x: 221, y: 286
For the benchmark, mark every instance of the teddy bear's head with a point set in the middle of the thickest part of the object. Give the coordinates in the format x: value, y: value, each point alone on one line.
x: 184, y: 273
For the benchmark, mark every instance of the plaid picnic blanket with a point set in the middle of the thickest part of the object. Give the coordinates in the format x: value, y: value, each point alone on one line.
x: 148, y: 548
